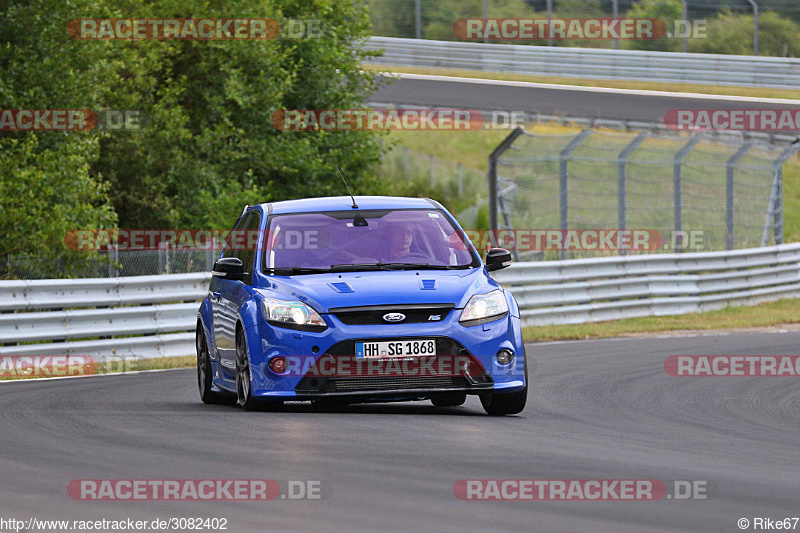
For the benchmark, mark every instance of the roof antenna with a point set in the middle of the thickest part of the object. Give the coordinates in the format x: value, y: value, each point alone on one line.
x: 355, y: 205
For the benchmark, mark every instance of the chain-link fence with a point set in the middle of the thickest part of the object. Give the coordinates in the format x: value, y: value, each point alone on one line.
x: 112, y: 262
x: 414, y: 173
x: 720, y: 194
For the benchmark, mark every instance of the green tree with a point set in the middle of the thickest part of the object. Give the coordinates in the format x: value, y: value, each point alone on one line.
x: 732, y: 33
x: 44, y: 195
x: 209, y: 146
x: 668, y: 11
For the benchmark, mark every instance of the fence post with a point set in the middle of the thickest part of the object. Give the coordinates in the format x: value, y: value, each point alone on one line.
x: 775, y: 206
x: 622, y: 178
x: 677, y: 187
x: 110, y: 261
x: 563, y: 161
x: 684, y: 21
x: 729, y: 176
x: 549, y: 22
x: 492, y: 174
x: 418, y: 19
x: 615, y: 14
x: 755, y: 26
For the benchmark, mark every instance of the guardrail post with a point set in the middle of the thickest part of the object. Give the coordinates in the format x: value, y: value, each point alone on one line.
x: 622, y: 178
x: 729, y: 191
x: 563, y: 160
x: 775, y: 206
x: 677, y: 187
x: 492, y: 175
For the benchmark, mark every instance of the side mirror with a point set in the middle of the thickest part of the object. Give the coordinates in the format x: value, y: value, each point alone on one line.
x: 229, y: 268
x: 497, y: 258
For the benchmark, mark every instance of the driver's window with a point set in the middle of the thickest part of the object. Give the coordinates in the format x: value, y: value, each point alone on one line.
x: 247, y: 253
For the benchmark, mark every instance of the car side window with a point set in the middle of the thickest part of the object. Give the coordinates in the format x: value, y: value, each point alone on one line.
x: 230, y: 245
x: 247, y: 253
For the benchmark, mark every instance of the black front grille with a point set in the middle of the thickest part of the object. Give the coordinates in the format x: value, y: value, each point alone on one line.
x: 414, y: 314
x: 365, y: 378
x: 395, y: 383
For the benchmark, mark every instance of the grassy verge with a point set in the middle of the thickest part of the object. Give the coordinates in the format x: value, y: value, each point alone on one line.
x: 757, y: 92
x: 106, y: 367
x: 768, y: 314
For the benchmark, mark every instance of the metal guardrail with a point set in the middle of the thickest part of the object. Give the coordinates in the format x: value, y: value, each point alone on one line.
x: 591, y: 290
x: 139, y: 316
x: 636, y: 65
x: 154, y: 319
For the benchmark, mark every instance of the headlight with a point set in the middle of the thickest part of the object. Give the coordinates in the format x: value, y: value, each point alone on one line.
x: 483, y: 308
x: 293, y: 315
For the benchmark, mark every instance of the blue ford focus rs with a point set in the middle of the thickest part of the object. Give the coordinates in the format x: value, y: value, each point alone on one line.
x: 365, y: 299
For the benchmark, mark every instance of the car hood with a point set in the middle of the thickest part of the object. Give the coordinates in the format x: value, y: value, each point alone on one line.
x: 351, y: 289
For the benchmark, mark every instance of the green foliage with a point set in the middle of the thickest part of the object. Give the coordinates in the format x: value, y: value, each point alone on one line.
x: 209, y: 146
x: 667, y: 11
x: 45, y: 193
x: 732, y: 33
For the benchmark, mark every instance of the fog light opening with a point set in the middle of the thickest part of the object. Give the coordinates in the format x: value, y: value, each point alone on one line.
x: 278, y: 365
x: 505, y: 356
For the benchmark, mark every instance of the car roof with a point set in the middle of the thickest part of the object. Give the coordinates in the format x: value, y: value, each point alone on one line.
x: 345, y: 203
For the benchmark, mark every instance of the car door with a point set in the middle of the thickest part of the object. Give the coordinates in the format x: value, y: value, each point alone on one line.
x: 224, y: 322
x: 233, y: 293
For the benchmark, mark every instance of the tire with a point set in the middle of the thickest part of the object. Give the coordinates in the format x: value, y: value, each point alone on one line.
x: 510, y: 403
x: 244, y: 397
x: 204, y: 372
x: 451, y: 399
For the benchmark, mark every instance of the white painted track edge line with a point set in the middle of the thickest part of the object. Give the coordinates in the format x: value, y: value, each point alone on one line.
x: 611, y: 90
x: 131, y: 373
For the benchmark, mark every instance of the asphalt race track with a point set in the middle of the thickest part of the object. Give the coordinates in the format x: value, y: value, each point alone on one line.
x: 589, y: 102
x: 597, y: 410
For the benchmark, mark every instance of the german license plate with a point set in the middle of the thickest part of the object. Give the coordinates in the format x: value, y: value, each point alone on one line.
x: 400, y: 348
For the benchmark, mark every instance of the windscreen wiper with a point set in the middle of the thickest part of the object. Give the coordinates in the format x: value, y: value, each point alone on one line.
x: 413, y: 266
x: 386, y: 266
x: 297, y: 270
x: 355, y: 267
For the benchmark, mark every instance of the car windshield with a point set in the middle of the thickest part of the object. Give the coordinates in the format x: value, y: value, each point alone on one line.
x: 307, y: 243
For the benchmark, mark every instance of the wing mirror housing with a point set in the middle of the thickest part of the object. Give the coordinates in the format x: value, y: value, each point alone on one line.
x: 229, y: 268
x: 497, y: 258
